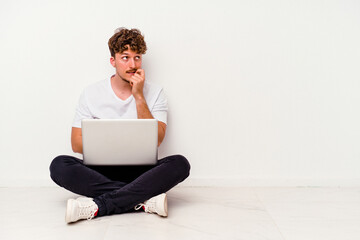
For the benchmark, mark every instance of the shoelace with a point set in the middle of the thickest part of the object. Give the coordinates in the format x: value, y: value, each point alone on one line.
x: 148, y: 207
x: 87, y: 211
x: 137, y: 207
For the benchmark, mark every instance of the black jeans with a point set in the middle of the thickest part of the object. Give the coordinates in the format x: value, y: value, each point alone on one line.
x: 117, y: 189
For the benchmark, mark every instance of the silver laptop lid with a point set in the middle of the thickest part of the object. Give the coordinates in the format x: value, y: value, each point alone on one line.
x: 120, y: 141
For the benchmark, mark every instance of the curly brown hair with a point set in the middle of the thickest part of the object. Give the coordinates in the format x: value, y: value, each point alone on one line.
x: 123, y: 37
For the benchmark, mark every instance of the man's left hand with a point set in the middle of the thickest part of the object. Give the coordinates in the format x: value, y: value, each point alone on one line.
x: 137, y: 82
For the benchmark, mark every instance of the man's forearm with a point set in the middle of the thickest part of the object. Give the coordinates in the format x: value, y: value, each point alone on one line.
x: 142, y: 109
x: 78, y: 148
x: 143, y: 112
x: 76, y: 140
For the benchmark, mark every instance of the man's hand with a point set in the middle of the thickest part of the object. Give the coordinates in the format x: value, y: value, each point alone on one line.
x: 137, y: 83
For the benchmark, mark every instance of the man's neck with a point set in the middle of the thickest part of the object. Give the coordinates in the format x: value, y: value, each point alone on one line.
x: 121, y: 88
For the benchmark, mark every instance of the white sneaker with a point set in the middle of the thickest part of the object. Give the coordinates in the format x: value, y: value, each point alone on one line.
x: 157, y: 204
x: 80, y: 208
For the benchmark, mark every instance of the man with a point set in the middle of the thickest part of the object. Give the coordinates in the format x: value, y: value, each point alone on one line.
x: 119, y: 189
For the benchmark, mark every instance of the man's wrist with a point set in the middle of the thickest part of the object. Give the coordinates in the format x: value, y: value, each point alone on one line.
x: 139, y: 98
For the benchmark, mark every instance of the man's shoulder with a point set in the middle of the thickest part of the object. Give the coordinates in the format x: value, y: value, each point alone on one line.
x: 152, y: 87
x: 96, y: 87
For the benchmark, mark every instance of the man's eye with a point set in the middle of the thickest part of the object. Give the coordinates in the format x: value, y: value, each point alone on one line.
x: 125, y: 58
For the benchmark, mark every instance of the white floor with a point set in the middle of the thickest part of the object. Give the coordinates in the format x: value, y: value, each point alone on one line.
x: 194, y: 213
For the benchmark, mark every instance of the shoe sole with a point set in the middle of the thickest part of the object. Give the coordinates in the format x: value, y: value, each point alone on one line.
x: 165, y: 207
x: 69, y: 209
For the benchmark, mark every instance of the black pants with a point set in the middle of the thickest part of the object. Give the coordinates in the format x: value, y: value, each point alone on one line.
x: 117, y: 189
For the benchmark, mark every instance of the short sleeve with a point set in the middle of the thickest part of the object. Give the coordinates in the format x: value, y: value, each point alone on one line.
x: 159, y: 111
x: 82, y: 111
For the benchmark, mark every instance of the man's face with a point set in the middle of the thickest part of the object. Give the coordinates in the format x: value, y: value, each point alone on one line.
x: 126, y: 63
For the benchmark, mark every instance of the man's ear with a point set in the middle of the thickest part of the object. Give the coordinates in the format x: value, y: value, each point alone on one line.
x: 112, y: 61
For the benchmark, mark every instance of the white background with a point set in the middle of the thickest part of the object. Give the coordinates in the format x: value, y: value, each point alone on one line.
x: 260, y: 92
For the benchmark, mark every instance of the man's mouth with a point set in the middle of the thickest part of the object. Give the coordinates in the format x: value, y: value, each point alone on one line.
x: 131, y: 72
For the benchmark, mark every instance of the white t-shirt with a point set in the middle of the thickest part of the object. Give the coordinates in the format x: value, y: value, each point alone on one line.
x: 99, y: 101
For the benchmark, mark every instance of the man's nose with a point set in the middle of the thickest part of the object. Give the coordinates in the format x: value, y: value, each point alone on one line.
x: 132, y: 63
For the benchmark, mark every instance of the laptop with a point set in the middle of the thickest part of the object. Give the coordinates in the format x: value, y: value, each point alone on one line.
x: 120, y: 141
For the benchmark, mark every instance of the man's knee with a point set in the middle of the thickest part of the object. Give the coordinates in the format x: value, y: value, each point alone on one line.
x: 182, y: 165
x: 58, y: 166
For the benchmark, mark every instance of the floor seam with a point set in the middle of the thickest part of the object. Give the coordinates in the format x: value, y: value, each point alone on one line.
x: 266, y: 209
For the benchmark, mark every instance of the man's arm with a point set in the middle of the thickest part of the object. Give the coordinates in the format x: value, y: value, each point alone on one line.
x: 143, y: 112
x: 76, y: 140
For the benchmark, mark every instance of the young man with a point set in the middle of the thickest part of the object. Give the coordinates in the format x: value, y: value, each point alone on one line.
x: 126, y: 94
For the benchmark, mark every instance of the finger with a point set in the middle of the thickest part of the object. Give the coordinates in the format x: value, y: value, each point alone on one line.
x: 140, y: 72
x: 137, y: 78
x: 134, y: 82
